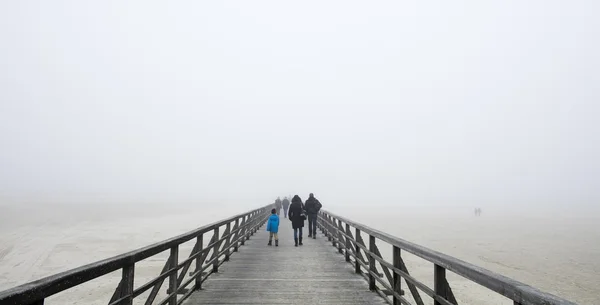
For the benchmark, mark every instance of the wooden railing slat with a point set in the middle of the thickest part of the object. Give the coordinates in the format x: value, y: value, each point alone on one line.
x: 117, y: 294
x: 187, y: 265
x: 156, y: 287
x: 386, y: 271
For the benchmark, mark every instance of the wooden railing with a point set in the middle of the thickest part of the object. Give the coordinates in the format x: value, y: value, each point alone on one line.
x: 237, y: 230
x: 346, y: 235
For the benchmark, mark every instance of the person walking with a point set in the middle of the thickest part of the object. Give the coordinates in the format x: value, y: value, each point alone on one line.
x: 273, y: 228
x: 286, y: 204
x: 313, y: 206
x: 297, y: 217
x: 278, y: 205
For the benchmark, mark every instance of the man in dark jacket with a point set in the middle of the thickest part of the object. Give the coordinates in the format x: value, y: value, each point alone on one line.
x: 286, y: 205
x: 312, y: 206
x: 296, y: 216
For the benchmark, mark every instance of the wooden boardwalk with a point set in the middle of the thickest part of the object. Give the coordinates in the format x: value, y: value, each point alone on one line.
x: 314, y: 273
x: 258, y: 274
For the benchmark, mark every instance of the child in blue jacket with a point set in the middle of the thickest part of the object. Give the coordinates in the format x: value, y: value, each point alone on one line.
x: 273, y: 227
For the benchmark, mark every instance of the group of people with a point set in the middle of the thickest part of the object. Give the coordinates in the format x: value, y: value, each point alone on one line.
x: 279, y: 204
x: 297, y: 212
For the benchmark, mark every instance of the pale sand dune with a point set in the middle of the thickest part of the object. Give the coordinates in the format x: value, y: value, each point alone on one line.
x: 555, y: 254
x: 41, y: 244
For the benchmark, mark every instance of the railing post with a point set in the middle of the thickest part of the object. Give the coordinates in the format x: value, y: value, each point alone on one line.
x: 333, y: 231
x: 127, y: 278
x: 372, y: 267
x: 173, y: 276
x: 248, y: 231
x: 216, y: 250
x: 254, y: 221
x: 200, y: 242
x: 439, y: 283
x: 330, y: 229
x: 259, y: 220
x: 320, y: 223
x: 336, y: 234
x: 357, y: 252
x: 243, y: 231
x: 348, y: 244
x: 397, y: 259
x: 237, y: 234
x: 228, y: 241
x: 340, y: 237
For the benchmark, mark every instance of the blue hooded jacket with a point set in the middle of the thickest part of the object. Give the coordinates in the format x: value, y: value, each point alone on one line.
x: 273, y: 223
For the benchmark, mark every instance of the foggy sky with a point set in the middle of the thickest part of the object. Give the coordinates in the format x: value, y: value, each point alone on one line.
x: 361, y: 102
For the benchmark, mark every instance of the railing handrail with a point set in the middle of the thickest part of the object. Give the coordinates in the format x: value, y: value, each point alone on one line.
x: 510, y: 288
x: 56, y: 283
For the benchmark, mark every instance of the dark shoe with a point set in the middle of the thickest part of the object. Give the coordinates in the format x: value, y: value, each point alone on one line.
x: 296, y: 240
x: 314, y: 236
x: 300, y: 241
x: 309, y: 235
x: 276, y: 243
x: 270, y: 243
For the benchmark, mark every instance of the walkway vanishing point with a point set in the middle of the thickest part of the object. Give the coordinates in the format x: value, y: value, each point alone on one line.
x: 235, y: 266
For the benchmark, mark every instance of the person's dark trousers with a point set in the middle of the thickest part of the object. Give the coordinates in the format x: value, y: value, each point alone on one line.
x: 312, y: 225
x: 296, y: 231
x: 296, y: 236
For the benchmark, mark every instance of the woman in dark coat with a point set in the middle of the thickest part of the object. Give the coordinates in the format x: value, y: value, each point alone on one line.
x: 297, y: 217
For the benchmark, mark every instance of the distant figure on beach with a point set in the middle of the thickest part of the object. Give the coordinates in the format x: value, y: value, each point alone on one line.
x: 286, y: 204
x: 312, y: 206
x: 273, y: 228
x: 297, y: 217
x: 477, y: 211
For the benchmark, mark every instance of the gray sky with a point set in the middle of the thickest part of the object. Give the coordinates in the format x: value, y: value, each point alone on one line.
x: 378, y: 102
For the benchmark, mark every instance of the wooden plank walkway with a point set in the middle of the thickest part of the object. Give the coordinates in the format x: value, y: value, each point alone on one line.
x: 314, y: 273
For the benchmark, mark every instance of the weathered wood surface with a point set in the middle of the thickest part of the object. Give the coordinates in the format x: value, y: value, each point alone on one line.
x: 314, y: 273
